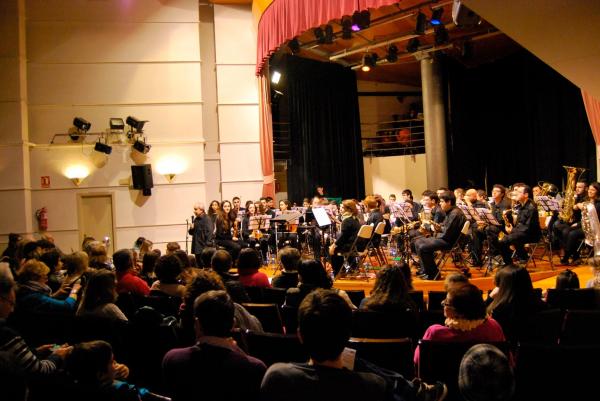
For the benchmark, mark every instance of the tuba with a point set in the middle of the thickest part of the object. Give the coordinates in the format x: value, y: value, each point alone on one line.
x: 573, y: 174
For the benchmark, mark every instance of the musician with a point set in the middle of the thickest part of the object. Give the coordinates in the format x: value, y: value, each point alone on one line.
x: 224, y: 225
x: 375, y: 217
x: 561, y: 228
x: 441, y: 190
x: 348, y: 233
x: 471, y: 198
x: 237, y: 203
x: 407, y: 197
x: 314, y: 233
x: 500, y: 203
x: 526, y: 229
x: 284, y: 231
x: 254, y: 238
x: 392, y: 198
x: 319, y: 191
x: 213, y: 210
x: 450, y: 231
x: 430, y: 202
x: 459, y: 194
x: 201, y: 230
x: 576, y: 234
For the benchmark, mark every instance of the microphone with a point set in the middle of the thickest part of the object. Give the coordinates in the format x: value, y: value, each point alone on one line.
x: 193, y: 218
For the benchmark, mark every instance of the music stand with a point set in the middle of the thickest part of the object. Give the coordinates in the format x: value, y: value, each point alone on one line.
x: 281, y: 219
x: 321, y: 216
x: 486, y: 216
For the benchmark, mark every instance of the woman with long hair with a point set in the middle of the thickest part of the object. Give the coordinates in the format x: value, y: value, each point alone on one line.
x: 576, y: 234
x: 213, y: 210
x: 100, y: 295
x: 224, y: 225
x: 253, y: 237
x: 348, y: 233
x: 390, y: 293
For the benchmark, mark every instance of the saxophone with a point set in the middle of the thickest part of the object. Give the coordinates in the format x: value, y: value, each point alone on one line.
x: 573, y: 174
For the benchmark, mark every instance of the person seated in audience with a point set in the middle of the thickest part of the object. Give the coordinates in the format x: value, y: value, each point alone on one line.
x: 312, y: 275
x: 454, y: 280
x: 148, y: 266
x: 466, y: 319
x: 248, y: 265
x: 289, y: 259
x: 205, y: 281
x: 96, y: 375
x: 33, y: 295
x: 127, y: 280
x: 76, y: 266
x: 594, y: 282
x: 390, y: 294
x: 215, y: 368
x: 168, y: 269
x: 27, y: 362
x: 324, y: 327
x: 565, y: 280
x: 99, y: 257
x: 513, y: 302
x: 100, y: 295
x: 188, y: 271
x: 206, y: 256
x: 53, y: 261
x: 486, y: 374
x: 172, y: 247
x: 221, y: 263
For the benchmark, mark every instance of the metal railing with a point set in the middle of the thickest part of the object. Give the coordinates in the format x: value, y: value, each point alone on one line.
x: 395, y: 138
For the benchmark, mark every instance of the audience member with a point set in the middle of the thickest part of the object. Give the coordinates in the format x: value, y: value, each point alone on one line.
x: 289, y: 259
x: 172, y: 247
x: 206, y: 256
x: 390, y: 294
x: 567, y: 279
x: 248, y: 265
x: 215, y: 368
x: 485, y: 374
x: 55, y: 264
x: 148, y: 266
x: 100, y: 295
x: 221, y: 263
x: 127, y: 281
x: 99, y: 257
x: 405, y: 269
x: 168, y: 269
x: 76, y: 266
x: 455, y: 279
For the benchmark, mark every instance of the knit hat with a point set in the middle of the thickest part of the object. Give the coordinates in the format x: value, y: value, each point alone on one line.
x: 486, y: 375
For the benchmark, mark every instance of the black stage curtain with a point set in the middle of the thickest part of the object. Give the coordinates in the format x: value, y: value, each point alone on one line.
x: 516, y: 120
x: 324, y: 130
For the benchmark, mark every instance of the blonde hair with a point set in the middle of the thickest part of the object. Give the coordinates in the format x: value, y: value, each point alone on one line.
x: 32, y: 270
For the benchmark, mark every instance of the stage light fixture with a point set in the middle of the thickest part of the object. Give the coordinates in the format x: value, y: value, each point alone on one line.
x: 141, y: 146
x: 369, y: 62
x: 421, y: 24
x: 103, y: 148
x: 436, y: 16
x: 275, y: 77
x: 319, y: 35
x: 328, y: 34
x: 361, y: 20
x: 116, y: 124
x: 294, y: 46
x: 136, y: 124
x: 441, y: 35
x: 346, y: 27
x: 392, y: 54
x: 82, y: 124
x: 413, y: 45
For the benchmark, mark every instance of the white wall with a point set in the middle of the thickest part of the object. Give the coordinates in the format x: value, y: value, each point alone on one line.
x: 99, y: 60
x: 392, y: 175
x: 237, y: 97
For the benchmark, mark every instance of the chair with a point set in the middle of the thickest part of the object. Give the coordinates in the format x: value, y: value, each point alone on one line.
x: 440, y: 361
x: 274, y: 295
x: 435, y: 299
x: 168, y: 306
x: 369, y: 324
x: 357, y: 249
x: 271, y: 348
x: 269, y: 316
x: 356, y: 296
x: 379, y: 253
x: 581, y: 327
x: 255, y: 294
x: 580, y: 298
x: 455, y: 251
x: 542, y: 328
x: 417, y: 297
x: 391, y: 353
x: 289, y: 315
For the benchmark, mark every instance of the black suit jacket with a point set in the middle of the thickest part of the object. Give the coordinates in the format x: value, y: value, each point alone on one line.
x: 452, y: 225
x: 528, y: 221
x: 202, y: 233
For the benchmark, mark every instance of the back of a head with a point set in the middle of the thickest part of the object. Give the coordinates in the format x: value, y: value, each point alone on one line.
x: 324, y: 322
x: 313, y: 274
x: 168, y: 268
x: 32, y: 270
x: 214, y: 311
x: 206, y: 256
x: 183, y: 258
x: 289, y: 258
x: 514, y: 284
x: 99, y: 290
x: 390, y: 286
x: 122, y: 259
x: 88, y: 361
x: 455, y: 279
x: 203, y: 281
x: 76, y: 263
x: 172, y: 247
x: 149, y: 262
x: 485, y: 375
x: 567, y: 279
x: 221, y: 261
x: 248, y: 261
x: 467, y: 301
x: 51, y: 258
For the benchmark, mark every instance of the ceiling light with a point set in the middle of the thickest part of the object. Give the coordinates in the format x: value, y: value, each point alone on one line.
x: 369, y: 62
x: 436, y: 16
x: 294, y: 46
x: 141, y: 147
x: 275, y: 77
x: 421, y: 24
x: 441, y: 35
x: 136, y: 124
x: 361, y: 20
x: 392, y: 54
x: 413, y: 45
x: 103, y: 148
x: 346, y: 27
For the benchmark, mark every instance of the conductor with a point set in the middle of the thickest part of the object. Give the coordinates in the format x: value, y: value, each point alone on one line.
x: 201, y: 230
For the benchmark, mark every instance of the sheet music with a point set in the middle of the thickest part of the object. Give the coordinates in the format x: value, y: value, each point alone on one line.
x: 261, y: 222
x: 321, y: 216
x: 486, y: 215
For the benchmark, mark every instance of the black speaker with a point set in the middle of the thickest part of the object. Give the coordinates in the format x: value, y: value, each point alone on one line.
x: 142, y: 178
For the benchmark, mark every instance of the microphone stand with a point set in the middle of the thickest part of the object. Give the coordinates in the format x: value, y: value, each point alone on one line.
x: 187, y: 234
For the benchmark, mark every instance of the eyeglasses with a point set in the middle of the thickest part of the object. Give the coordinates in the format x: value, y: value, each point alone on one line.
x: 446, y: 303
x: 9, y: 301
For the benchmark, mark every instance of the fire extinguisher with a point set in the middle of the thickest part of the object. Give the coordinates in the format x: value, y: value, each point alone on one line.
x: 42, y: 218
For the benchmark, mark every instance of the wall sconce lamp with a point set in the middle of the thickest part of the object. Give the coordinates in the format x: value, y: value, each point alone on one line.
x: 77, y: 173
x: 170, y: 166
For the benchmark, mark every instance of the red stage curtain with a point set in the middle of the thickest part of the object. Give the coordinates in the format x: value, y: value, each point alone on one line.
x: 266, y: 136
x: 285, y: 19
x: 592, y: 108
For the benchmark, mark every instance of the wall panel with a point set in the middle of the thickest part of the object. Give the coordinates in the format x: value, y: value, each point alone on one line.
x: 236, y: 84
x: 387, y: 175
x: 10, y: 122
x: 245, y: 190
x: 9, y: 76
x: 238, y: 123
x: 232, y: 47
x: 14, y: 214
x: 239, y: 162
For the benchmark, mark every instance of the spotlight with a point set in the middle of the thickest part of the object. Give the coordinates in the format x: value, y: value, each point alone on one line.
x: 346, y: 27
x: 413, y: 45
x: 275, y: 96
x: 328, y: 34
x: 116, y: 124
x: 421, y: 24
x: 441, y: 35
x: 319, y: 35
x: 103, y: 148
x: 436, y: 16
x: 369, y: 62
x: 294, y: 46
x: 136, y: 124
x: 82, y: 124
x: 392, y: 54
x: 361, y: 20
x: 141, y: 147
x: 275, y: 77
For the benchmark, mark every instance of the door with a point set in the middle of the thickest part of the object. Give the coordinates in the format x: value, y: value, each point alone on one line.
x: 96, y: 218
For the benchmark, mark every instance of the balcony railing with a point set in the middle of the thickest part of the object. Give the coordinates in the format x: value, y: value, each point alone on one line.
x: 395, y: 138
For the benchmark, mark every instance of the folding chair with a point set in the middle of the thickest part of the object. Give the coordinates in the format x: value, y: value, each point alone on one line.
x: 379, y: 253
x: 358, y: 249
x: 455, y: 251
